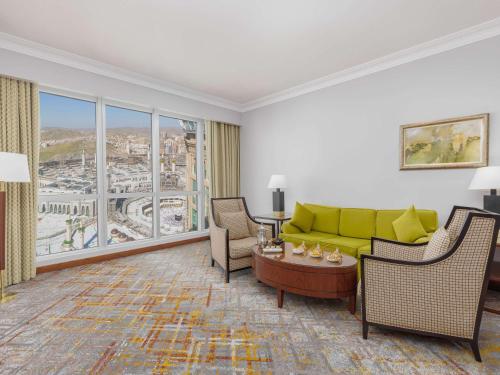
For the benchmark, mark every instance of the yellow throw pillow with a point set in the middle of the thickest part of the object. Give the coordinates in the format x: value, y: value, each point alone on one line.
x: 302, y: 218
x: 408, y: 227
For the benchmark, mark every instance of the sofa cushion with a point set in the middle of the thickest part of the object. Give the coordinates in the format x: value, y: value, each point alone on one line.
x: 310, y: 238
x: 290, y: 228
x: 347, y: 245
x: 241, y: 248
x: 236, y: 223
x: 326, y: 218
x: 424, y: 239
x: 357, y: 222
x: 408, y: 227
x: 438, y: 245
x: 383, y: 223
x: 302, y: 218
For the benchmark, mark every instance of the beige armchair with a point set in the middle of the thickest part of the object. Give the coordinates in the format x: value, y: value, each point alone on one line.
x: 233, y: 255
x: 440, y: 296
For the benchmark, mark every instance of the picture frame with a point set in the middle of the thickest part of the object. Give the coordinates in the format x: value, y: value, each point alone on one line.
x: 460, y: 142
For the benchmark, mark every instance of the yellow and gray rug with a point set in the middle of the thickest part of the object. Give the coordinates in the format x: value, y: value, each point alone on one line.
x: 170, y: 312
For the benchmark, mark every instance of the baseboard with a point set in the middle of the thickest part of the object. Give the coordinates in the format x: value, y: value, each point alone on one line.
x: 126, y: 253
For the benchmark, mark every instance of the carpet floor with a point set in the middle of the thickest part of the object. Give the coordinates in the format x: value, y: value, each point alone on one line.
x: 170, y: 312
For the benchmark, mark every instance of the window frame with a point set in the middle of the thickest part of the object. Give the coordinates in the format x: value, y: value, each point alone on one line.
x: 102, y: 194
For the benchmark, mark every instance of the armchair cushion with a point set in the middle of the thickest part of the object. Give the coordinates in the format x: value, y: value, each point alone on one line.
x: 235, y: 223
x: 241, y: 248
x: 408, y: 227
x: 438, y: 245
x: 302, y: 218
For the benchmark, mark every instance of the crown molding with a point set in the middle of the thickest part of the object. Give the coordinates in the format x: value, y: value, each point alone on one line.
x: 446, y: 43
x: 45, y: 52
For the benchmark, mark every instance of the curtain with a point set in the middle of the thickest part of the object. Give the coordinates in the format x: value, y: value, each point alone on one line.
x: 223, y: 153
x: 19, y: 132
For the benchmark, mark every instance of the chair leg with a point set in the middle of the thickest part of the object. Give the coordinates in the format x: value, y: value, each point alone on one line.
x: 365, y: 330
x: 226, y: 274
x: 474, y: 345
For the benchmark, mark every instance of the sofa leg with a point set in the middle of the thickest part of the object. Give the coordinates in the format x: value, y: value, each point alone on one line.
x: 226, y: 274
x: 475, y: 349
x: 365, y: 330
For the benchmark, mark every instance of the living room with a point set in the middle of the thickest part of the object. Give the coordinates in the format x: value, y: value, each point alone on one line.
x: 280, y: 187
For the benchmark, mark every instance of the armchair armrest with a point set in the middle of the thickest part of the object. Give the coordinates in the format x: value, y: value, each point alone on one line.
x: 219, y: 238
x: 398, y: 250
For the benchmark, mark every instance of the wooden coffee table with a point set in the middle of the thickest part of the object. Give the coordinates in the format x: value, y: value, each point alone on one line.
x: 307, y: 276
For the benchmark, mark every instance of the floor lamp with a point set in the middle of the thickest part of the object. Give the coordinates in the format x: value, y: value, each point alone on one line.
x: 13, y: 168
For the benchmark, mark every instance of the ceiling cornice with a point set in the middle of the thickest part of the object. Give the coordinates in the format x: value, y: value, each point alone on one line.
x: 446, y: 43
x: 455, y: 40
x: 44, y: 52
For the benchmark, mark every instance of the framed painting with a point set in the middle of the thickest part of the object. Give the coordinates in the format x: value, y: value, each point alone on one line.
x: 452, y: 143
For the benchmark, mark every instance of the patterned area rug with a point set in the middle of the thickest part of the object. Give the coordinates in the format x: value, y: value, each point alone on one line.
x: 170, y: 312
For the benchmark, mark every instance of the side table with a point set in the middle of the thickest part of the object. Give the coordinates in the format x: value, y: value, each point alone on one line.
x: 278, y: 220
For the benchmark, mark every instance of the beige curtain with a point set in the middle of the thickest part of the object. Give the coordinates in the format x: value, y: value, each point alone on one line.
x: 223, y: 153
x: 19, y: 132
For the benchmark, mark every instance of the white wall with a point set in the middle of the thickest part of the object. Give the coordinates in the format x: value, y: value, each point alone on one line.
x: 60, y: 76
x: 340, y: 145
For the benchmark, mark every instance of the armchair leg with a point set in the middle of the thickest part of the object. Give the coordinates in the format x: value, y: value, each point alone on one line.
x: 226, y: 275
x: 365, y: 330
x: 213, y: 262
x: 475, y: 349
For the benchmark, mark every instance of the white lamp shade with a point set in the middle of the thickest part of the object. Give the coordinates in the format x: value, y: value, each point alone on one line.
x: 277, y: 181
x: 486, y: 178
x: 14, y: 167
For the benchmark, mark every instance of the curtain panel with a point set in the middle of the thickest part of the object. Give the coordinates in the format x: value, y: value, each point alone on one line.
x: 223, y: 154
x: 19, y: 132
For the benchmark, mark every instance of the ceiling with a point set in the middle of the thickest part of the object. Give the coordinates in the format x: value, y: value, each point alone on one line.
x: 238, y: 50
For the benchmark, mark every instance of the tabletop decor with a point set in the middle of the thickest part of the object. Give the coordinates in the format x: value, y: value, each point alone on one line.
x: 300, y: 249
x: 488, y: 178
x: 316, y: 252
x: 335, y: 257
x: 451, y: 143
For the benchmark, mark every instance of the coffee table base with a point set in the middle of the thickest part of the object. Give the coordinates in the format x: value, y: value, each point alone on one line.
x: 351, y: 301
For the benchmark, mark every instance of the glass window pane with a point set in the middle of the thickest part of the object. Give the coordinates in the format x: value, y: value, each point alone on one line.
x: 178, y: 214
x: 129, y: 219
x: 65, y: 225
x: 177, y: 154
x: 67, y: 145
x: 128, y: 150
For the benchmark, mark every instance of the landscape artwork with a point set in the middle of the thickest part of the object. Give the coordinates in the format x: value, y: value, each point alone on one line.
x: 451, y: 143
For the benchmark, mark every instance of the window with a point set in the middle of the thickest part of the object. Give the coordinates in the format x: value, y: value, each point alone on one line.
x: 136, y: 182
x: 67, y: 207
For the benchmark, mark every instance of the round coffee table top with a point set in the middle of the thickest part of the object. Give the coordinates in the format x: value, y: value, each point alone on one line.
x: 287, y: 257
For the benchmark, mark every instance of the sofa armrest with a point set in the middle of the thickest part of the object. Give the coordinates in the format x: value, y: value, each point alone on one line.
x: 398, y: 250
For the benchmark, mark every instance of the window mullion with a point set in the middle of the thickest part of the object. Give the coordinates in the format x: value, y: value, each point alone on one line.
x: 102, y: 212
x: 155, y: 150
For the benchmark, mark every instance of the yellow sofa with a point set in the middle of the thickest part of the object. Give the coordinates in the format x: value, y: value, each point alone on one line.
x: 351, y: 229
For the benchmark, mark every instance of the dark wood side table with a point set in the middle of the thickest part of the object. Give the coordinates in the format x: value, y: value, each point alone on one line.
x: 494, y: 283
x: 301, y: 274
x: 278, y: 220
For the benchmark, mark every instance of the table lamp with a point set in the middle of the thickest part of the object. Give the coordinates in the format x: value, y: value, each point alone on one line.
x: 13, y: 168
x: 488, y: 178
x: 278, y: 182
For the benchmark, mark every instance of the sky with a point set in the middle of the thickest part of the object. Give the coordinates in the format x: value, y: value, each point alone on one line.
x: 63, y: 112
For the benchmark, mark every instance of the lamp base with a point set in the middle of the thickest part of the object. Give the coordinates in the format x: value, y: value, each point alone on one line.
x: 492, y: 203
x: 278, y: 202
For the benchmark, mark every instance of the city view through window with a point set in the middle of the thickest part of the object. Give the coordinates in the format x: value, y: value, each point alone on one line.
x: 146, y: 189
